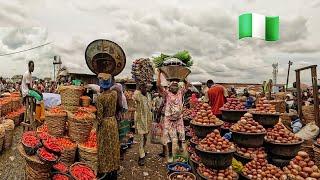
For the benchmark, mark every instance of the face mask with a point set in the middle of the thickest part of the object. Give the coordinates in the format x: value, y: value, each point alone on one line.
x: 105, y: 84
x: 290, y: 103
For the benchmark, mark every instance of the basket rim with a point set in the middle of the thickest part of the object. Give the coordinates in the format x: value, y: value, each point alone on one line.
x: 247, y: 133
x: 226, y: 110
x: 264, y: 114
x: 239, y: 155
x: 171, y: 165
x: 189, y: 173
x: 201, y: 175
x: 194, y: 161
x: 211, y: 152
x: 82, y: 147
x: 208, y: 125
x: 284, y: 144
x: 44, y: 160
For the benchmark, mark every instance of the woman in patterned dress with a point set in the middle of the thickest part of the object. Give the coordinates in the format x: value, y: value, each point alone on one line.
x: 108, y: 103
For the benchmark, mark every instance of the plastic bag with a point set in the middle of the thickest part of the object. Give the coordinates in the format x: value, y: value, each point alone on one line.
x: 309, y: 131
x: 156, y: 133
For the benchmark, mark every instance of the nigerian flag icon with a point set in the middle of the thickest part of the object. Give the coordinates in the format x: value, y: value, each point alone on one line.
x: 259, y: 26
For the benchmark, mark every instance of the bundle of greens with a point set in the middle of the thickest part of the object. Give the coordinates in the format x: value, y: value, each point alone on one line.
x: 183, y: 56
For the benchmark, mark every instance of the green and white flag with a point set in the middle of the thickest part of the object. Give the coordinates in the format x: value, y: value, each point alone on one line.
x: 259, y: 26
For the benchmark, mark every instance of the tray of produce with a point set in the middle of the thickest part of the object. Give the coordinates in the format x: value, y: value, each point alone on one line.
x: 266, y: 120
x: 208, y: 173
x: 233, y: 110
x: 302, y: 167
x: 215, y: 152
x: 182, y: 176
x: 245, y: 155
x: 194, y: 141
x: 247, y: 132
x: 178, y: 167
x: 280, y: 141
x: 260, y: 169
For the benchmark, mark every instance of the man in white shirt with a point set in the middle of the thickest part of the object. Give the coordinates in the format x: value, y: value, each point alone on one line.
x: 26, y: 85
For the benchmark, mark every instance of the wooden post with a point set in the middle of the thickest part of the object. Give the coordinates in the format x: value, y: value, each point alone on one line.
x: 298, y: 84
x: 289, y: 64
x: 315, y: 94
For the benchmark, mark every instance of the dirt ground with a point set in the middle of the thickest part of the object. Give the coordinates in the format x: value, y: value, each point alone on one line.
x: 12, y: 165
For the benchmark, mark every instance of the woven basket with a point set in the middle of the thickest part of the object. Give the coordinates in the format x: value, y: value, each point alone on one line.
x: 37, y: 172
x: 9, y: 132
x: 316, y: 151
x: 175, y: 72
x: 56, y: 123
x: 70, y: 169
x: 280, y: 105
x: 85, y: 101
x: 70, y: 95
x: 16, y: 103
x: 89, y: 156
x: 68, y: 156
x: 79, y: 129
x: 280, y: 96
x: 71, y: 108
x: 307, y: 146
x: 308, y: 114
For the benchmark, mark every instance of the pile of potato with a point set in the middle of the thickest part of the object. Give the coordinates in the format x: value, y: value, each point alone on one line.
x: 264, y: 107
x: 226, y: 174
x: 252, y: 152
x: 260, y: 169
x: 233, y: 104
x: 247, y: 124
x: 215, y: 143
x: 205, y: 116
x: 280, y: 134
x: 179, y: 168
x: 302, y: 167
x: 195, y: 139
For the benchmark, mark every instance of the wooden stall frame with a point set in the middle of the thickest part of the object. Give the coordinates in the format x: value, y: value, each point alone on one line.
x: 315, y: 91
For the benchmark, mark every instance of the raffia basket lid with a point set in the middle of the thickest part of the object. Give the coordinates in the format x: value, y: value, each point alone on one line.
x: 104, y: 56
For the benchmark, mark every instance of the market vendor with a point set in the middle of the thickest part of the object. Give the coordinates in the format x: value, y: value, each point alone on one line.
x: 108, y: 103
x: 217, y: 98
x: 173, y: 121
x: 296, y: 123
x: 142, y: 119
x: 28, y: 90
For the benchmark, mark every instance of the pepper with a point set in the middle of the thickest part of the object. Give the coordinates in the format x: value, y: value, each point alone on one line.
x: 60, y: 177
x: 92, y: 140
x: 61, y: 167
x: 65, y: 143
x: 82, y: 172
x: 29, y: 139
x: 44, y: 154
x: 51, y: 144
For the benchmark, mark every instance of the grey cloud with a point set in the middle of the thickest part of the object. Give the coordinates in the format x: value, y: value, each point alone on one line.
x: 15, y: 39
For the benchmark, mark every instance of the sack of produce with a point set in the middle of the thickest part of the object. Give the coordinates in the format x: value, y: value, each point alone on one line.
x: 309, y: 131
x: 88, y: 151
x: 142, y: 71
x: 8, y: 137
x: 175, y: 67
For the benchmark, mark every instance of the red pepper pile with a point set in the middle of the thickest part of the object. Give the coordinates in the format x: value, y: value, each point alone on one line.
x: 61, y: 167
x: 44, y: 136
x: 60, y: 177
x: 43, y: 128
x: 65, y: 143
x: 44, y: 154
x: 52, y: 145
x: 92, y: 140
x: 29, y: 139
x: 82, y: 172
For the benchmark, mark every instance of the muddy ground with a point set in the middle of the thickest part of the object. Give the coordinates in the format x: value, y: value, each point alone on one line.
x: 12, y: 165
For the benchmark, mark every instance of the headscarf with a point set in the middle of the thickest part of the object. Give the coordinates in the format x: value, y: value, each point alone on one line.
x: 105, y: 80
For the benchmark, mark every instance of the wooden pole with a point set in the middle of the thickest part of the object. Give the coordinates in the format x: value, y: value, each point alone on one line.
x: 298, y: 83
x: 315, y: 94
x: 289, y: 65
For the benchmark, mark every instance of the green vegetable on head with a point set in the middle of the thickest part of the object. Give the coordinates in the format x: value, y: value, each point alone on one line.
x: 183, y: 56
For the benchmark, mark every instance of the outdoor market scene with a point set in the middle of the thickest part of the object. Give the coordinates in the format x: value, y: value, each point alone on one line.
x: 76, y: 130
x: 159, y: 90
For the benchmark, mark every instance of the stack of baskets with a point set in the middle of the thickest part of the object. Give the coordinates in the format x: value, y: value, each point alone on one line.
x: 70, y: 96
x: 280, y: 105
x: 80, y: 127
x: 68, y: 154
x: 89, y: 156
x: 16, y: 103
x: 5, y: 106
x: 56, y: 123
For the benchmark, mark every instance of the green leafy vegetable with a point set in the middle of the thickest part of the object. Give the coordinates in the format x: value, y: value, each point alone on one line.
x: 183, y: 56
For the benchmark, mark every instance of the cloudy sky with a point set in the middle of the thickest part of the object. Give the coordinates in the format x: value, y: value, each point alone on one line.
x: 208, y: 29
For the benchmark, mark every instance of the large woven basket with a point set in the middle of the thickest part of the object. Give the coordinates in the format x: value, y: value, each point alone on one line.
x: 79, y: 129
x: 56, y: 123
x: 16, y: 103
x: 174, y: 72
x: 37, y: 172
x: 2, y: 134
x: 71, y: 108
x: 89, y: 156
x: 9, y: 132
x: 5, y: 107
x: 70, y: 95
x: 280, y: 105
x: 316, y: 150
x: 68, y: 156
x: 308, y: 114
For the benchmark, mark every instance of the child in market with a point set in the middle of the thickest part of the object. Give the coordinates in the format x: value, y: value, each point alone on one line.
x: 296, y: 123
